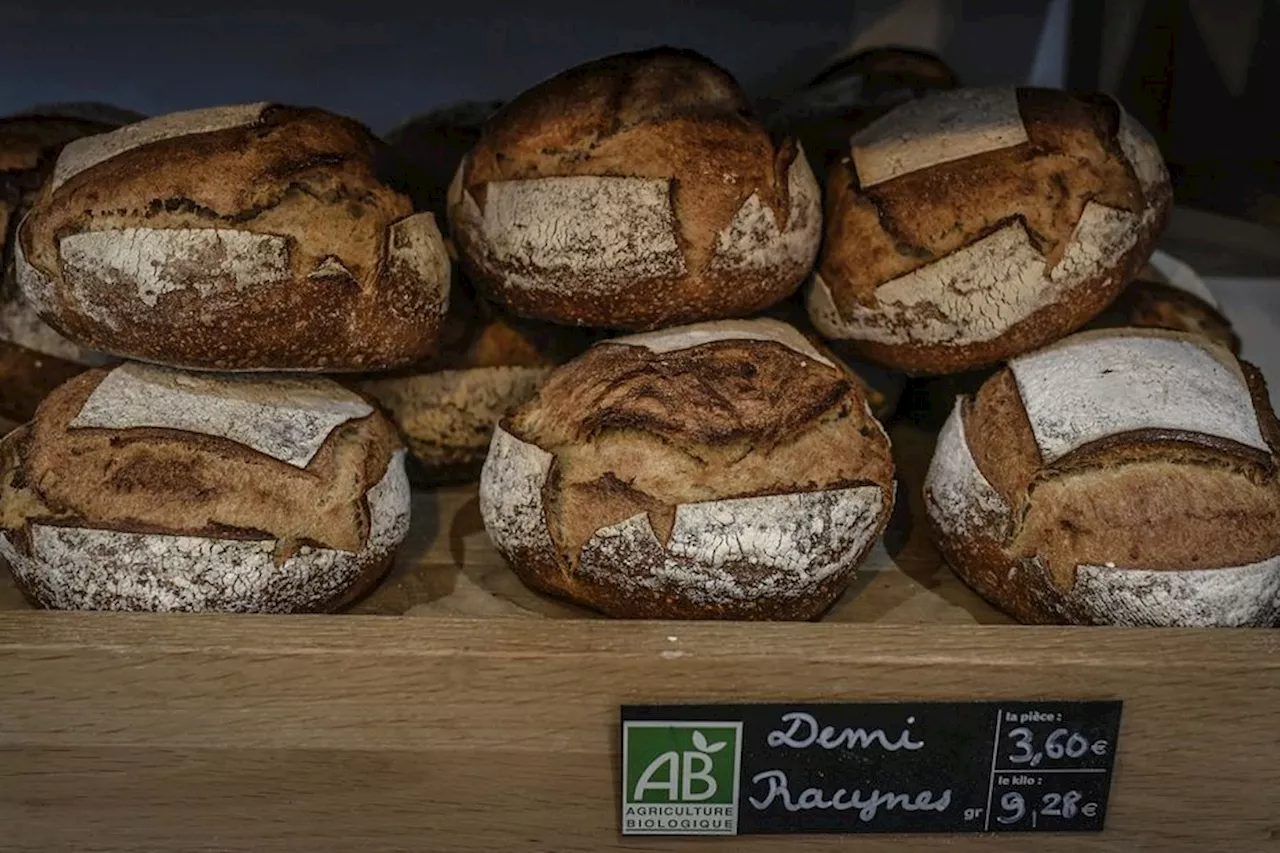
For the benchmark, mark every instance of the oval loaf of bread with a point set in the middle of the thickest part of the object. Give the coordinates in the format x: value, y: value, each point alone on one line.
x: 723, y: 470
x: 634, y: 192
x: 969, y: 226
x: 254, y: 237
x: 144, y: 488
x: 1122, y: 477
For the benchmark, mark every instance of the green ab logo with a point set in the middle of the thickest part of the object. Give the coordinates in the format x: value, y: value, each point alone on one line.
x: 680, y: 777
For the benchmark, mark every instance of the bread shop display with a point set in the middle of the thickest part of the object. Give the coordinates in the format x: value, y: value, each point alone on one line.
x: 640, y: 356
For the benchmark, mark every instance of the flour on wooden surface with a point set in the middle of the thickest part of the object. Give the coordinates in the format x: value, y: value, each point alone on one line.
x: 959, y: 498
x: 1237, y: 597
x: 85, y: 569
x: 1083, y: 390
x: 511, y: 494
x: 1180, y: 275
x: 754, y: 240
x: 698, y: 334
x: 741, y: 549
x: 287, y: 418
x: 578, y: 234
x: 89, y: 151
x: 155, y: 261
x: 937, y: 129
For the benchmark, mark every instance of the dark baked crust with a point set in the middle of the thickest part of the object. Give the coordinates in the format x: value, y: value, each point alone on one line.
x: 1147, y: 500
x: 1148, y: 302
x: 351, y: 294
x: 1073, y: 156
x: 661, y: 114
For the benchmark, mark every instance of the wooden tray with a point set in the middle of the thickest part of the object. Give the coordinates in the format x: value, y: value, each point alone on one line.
x: 458, y: 711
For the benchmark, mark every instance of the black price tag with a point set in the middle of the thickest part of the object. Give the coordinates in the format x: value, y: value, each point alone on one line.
x: 876, y: 767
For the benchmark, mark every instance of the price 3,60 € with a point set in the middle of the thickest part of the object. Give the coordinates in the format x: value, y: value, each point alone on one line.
x: 1060, y: 744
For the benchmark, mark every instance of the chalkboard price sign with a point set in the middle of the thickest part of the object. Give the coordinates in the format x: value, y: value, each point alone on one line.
x: 1035, y: 766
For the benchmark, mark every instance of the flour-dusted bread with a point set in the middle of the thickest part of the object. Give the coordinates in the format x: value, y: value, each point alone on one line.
x: 1169, y: 294
x: 722, y: 470
x: 634, y: 192
x: 970, y: 226
x: 144, y: 488
x: 29, y: 146
x: 253, y: 237
x: 431, y: 146
x: 489, y: 364
x: 1118, y: 477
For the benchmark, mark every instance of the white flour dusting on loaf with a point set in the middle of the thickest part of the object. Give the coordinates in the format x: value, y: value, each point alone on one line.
x: 89, y: 151
x: 698, y: 334
x: 1142, y: 153
x: 152, y: 262
x: 36, y: 287
x: 937, y: 129
x: 416, y: 250
x: 610, y: 230
x: 1100, y: 385
x: 511, y: 495
x: 1182, y: 276
x: 1237, y: 597
x: 86, y: 569
x: 755, y: 241
x: 728, y: 551
x: 284, y: 417
x: 972, y: 295
x: 1101, y: 237
x: 960, y: 500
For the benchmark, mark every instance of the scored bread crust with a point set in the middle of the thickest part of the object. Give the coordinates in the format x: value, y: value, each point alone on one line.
x: 186, y: 491
x: 975, y: 225
x: 634, y: 192
x: 256, y: 237
x: 724, y: 470
x: 1118, y: 478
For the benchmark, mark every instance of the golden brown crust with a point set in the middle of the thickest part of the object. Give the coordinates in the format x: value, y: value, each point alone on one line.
x: 158, y: 480
x: 1073, y: 156
x: 1149, y: 302
x: 313, y: 179
x: 663, y: 114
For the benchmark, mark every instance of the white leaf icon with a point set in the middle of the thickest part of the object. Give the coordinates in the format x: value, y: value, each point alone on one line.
x: 700, y: 741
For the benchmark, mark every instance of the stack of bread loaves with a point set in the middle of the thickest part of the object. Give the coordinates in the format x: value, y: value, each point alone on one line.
x: 221, y: 252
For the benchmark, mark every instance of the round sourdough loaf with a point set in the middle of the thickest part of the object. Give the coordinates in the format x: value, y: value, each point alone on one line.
x: 722, y: 470
x: 969, y: 226
x: 489, y: 363
x: 634, y: 192
x: 1123, y: 477
x: 255, y: 237
x: 29, y: 146
x: 1169, y: 294
x: 144, y: 488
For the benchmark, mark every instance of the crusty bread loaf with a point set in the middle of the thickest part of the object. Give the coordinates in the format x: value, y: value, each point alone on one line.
x: 431, y: 146
x: 29, y: 146
x: 489, y: 364
x: 1169, y: 294
x: 144, y: 488
x: 720, y: 470
x: 1124, y: 477
x: 634, y: 192
x: 253, y: 237
x: 969, y: 226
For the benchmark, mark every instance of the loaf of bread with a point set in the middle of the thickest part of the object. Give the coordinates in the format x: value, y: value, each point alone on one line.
x: 1169, y: 294
x: 722, y: 470
x: 29, y: 146
x: 489, y: 363
x: 974, y: 225
x: 144, y: 488
x: 1118, y: 477
x: 430, y: 147
x: 255, y: 237
x: 634, y: 192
